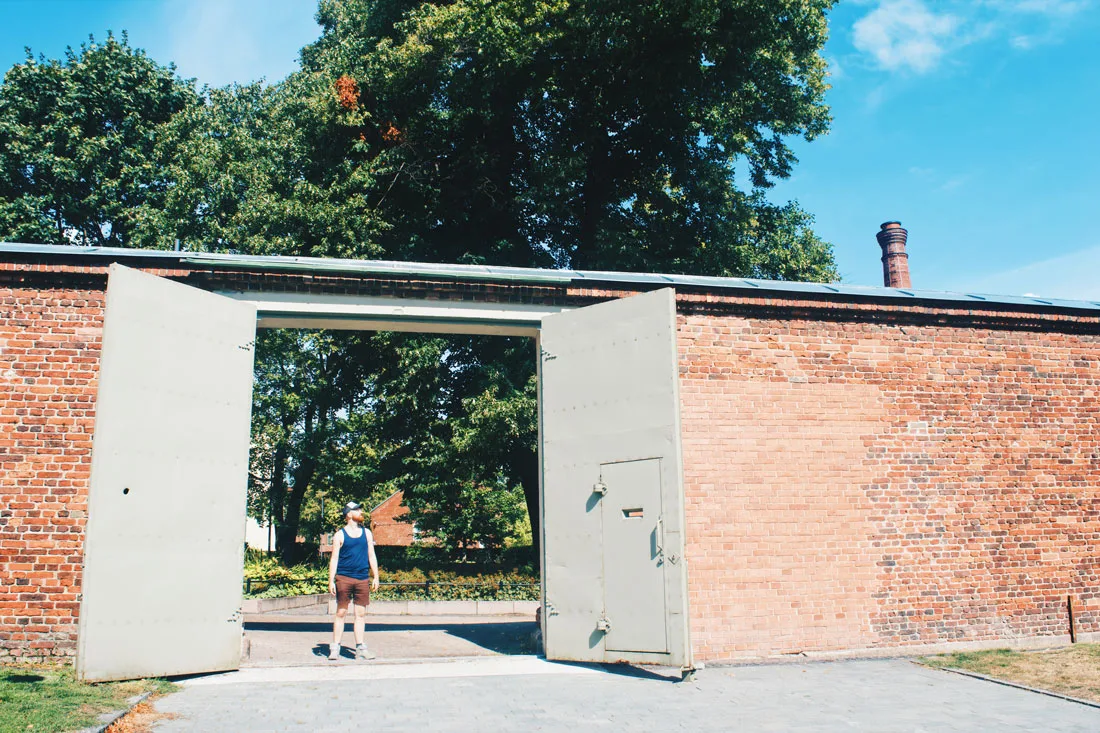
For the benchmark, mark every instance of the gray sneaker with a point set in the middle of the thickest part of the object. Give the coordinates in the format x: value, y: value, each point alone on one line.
x: 361, y: 652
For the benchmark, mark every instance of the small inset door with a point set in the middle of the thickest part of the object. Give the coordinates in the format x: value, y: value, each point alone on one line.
x: 164, y: 543
x: 614, y: 577
x: 633, y: 557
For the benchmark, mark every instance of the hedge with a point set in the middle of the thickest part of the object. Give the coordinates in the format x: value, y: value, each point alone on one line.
x: 265, y: 578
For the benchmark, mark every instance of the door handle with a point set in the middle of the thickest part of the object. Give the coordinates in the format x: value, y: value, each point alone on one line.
x: 660, y: 537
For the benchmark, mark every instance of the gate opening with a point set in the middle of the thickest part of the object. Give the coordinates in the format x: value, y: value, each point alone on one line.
x: 435, y: 436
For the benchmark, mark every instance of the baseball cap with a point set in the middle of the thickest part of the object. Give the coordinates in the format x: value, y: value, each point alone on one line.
x: 351, y: 506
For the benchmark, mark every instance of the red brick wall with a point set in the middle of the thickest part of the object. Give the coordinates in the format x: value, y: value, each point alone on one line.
x: 49, y: 356
x: 854, y: 485
x: 858, y: 477
x: 386, y: 523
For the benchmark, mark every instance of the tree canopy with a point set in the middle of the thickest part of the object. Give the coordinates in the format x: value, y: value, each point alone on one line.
x: 618, y: 135
x: 599, y: 135
x: 77, y: 138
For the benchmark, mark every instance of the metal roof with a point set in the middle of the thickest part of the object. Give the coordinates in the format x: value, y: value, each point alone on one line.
x: 538, y: 276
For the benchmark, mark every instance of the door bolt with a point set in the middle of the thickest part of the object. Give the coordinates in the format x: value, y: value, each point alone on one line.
x: 604, y: 623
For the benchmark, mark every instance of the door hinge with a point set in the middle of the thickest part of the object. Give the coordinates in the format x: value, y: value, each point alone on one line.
x: 237, y: 615
x: 604, y: 623
x: 547, y: 356
x: 550, y: 610
x: 247, y: 347
x: 600, y: 488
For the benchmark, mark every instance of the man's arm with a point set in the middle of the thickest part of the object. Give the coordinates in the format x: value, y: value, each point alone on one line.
x: 337, y: 541
x: 373, y: 559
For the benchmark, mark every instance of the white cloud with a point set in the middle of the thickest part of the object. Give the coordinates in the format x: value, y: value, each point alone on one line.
x: 1072, y: 276
x: 903, y: 34
x: 906, y: 35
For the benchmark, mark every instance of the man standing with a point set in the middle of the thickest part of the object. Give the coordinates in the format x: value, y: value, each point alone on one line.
x: 352, y: 561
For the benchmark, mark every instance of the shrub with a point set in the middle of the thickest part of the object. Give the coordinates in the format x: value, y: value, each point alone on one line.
x: 266, y: 578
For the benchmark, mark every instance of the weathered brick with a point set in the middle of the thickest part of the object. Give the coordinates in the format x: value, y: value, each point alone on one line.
x: 855, y: 485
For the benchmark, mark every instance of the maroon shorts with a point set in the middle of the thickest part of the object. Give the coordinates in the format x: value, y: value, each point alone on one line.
x: 350, y: 589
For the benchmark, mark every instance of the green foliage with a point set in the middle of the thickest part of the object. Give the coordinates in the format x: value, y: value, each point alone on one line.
x: 50, y: 698
x: 270, y: 579
x: 77, y: 140
x: 612, y: 135
x: 619, y: 134
x: 357, y: 416
x: 310, y: 429
x: 602, y: 135
x: 262, y: 170
x: 457, y: 419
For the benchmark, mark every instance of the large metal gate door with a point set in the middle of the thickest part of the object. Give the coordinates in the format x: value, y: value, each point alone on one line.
x: 164, y: 542
x: 614, y: 580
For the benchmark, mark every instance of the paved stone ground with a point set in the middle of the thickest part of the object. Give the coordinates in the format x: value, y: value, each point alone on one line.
x: 526, y: 693
x: 287, y: 639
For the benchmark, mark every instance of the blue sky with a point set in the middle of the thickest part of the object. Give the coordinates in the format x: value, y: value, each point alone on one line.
x: 974, y: 123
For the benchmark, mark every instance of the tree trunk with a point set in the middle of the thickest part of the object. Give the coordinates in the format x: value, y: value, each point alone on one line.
x: 289, y: 551
x: 303, y: 475
x: 277, y: 491
x: 593, y: 204
x: 525, y: 463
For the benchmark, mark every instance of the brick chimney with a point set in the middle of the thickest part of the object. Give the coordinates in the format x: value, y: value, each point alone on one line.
x: 895, y: 261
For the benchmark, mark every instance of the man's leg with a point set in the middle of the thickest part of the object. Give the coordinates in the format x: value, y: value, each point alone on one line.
x: 337, y: 633
x: 343, y: 597
x: 360, y: 623
x: 362, y: 598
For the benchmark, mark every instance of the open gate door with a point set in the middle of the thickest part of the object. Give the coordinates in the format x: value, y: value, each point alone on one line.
x: 164, y: 544
x: 614, y: 577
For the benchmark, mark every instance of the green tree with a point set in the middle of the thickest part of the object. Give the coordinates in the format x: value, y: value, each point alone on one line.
x: 309, y: 403
x: 452, y: 422
x: 76, y: 143
x: 563, y: 133
x: 603, y: 135
x: 637, y: 135
x: 263, y: 170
